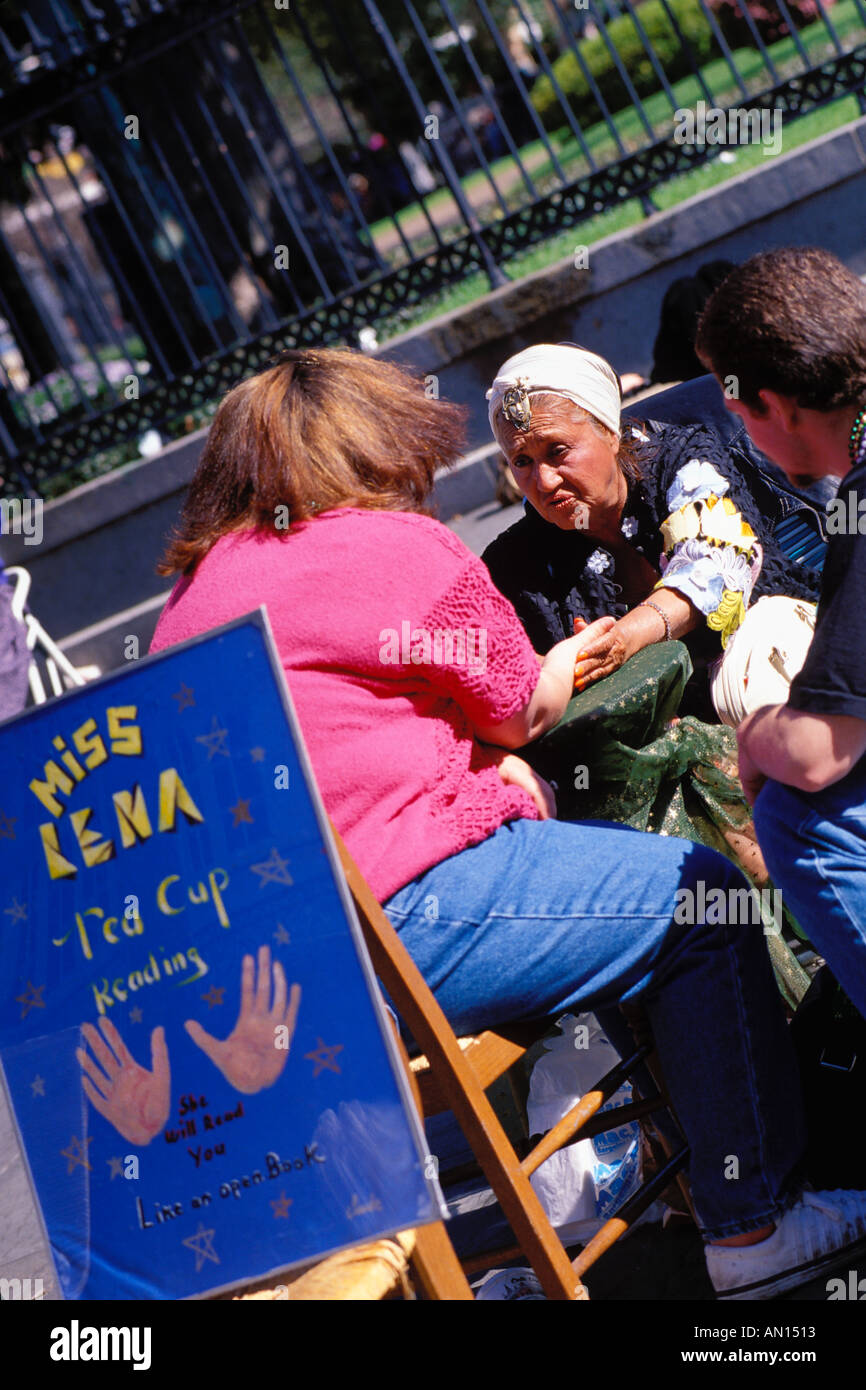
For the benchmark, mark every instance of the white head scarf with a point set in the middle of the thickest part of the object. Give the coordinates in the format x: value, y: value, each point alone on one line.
x: 557, y: 368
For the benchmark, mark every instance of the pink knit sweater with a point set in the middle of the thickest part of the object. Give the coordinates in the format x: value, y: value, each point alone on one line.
x: 394, y: 640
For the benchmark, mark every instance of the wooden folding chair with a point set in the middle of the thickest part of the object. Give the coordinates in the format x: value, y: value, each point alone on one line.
x: 453, y: 1075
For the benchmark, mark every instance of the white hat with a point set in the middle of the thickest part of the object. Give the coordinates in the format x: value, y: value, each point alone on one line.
x: 563, y: 370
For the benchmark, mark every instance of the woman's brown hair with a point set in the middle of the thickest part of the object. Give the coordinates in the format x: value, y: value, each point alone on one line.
x: 317, y: 430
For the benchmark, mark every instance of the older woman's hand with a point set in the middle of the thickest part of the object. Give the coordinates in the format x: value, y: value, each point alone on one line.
x: 603, y: 650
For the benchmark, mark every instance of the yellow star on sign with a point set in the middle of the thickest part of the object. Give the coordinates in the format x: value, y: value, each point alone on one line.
x: 77, y: 1153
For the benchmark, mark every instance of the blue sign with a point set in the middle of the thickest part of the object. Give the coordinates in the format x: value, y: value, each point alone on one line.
x: 199, y: 1064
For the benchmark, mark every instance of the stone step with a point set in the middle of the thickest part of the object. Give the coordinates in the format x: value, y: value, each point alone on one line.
x: 104, y: 643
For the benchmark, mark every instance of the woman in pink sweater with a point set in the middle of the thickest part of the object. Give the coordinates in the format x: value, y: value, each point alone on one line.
x: 413, y: 679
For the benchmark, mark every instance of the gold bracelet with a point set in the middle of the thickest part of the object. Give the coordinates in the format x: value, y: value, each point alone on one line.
x: 648, y: 603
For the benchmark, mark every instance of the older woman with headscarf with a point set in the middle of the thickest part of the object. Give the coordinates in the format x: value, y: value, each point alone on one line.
x: 654, y: 526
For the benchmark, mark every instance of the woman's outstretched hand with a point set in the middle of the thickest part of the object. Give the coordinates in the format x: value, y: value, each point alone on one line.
x: 131, y: 1098
x: 550, y: 698
x: 251, y: 1058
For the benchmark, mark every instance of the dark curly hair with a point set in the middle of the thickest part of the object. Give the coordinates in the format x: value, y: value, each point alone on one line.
x: 791, y: 321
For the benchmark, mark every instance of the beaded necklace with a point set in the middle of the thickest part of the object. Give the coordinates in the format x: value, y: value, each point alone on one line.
x: 857, y: 440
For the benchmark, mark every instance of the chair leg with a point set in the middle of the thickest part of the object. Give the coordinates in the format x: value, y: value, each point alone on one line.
x: 460, y: 1085
x: 438, y: 1267
x: 628, y: 1212
x: 492, y: 1149
x: 433, y: 1256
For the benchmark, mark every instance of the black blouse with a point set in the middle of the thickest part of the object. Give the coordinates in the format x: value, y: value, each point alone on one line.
x: 552, y: 576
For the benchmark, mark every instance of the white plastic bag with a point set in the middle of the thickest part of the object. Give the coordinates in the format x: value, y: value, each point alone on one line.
x: 584, y: 1184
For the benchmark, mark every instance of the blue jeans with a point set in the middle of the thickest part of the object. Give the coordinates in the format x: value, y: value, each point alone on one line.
x: 546, y: 917
x: 815, y: 847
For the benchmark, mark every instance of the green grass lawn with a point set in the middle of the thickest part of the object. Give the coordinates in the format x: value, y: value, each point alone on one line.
x: 625, y: 214
x: 631, y: 129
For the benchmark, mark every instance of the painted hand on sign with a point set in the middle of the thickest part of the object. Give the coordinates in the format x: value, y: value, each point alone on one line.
x: 254, y: 1054
x: 131, y: 1098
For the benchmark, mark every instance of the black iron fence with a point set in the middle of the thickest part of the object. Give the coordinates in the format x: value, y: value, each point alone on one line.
x: 187, y: 186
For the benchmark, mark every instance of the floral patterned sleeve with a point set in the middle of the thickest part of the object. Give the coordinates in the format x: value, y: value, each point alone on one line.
x: 711, y: 554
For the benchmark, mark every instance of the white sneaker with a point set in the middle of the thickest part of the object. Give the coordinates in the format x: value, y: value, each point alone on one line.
x: 820, y: 1231
x: 517, y: 1285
